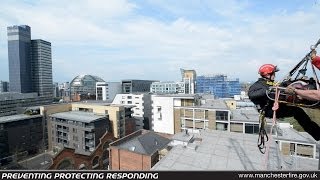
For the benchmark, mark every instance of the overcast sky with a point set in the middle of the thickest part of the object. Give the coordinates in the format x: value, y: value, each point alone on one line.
x: 153, y: 39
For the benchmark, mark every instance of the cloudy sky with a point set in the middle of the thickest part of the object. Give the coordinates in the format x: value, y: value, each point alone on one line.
x: 153, y: 39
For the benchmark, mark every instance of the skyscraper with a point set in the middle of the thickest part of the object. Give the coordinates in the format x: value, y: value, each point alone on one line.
x: 19, y: 43
x: 41, y: 67
x: 30, y: 63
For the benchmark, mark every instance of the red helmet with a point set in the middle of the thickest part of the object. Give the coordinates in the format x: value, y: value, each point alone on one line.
x: 267, y: 69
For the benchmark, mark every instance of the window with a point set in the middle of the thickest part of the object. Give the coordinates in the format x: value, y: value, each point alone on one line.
x: 74, y: 130
x: 129, y: 97
x: 75, y: 138
x: 222, y: 115
x: 129, y: 102
x: 252, y: 128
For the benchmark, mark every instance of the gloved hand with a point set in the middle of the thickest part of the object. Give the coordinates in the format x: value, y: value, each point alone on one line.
x: 290, y: 90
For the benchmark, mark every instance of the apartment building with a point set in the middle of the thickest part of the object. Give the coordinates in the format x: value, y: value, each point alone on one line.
x: 141, y: 107
x: 68, y: 158
x: 195, y: 118
x: 78, y: 130
x: 106, y: 91
x: 163, y: 110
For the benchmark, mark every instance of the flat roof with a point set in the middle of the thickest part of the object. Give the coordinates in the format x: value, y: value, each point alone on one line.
x: 6, y: 96
x: 17, y: 117
x: 176, y: 95
x: 300, y: 163
x: 93, y: 102
x: 245, y: 115
x: 85, y: 117
x: 202, y: 107
x: 216, y: 103
x: 221, y: 150
x: 291, y: 134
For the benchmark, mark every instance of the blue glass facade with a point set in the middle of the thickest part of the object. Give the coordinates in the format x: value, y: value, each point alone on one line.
x: 19, y: 47
x: 218, y: 85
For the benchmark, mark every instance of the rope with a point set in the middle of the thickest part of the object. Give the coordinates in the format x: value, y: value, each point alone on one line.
x: 274, y: 119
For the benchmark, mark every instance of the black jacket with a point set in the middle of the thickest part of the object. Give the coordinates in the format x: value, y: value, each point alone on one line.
x: 257, y: 93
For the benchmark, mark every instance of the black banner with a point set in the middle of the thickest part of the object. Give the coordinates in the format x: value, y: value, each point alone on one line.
x: 162, y: 175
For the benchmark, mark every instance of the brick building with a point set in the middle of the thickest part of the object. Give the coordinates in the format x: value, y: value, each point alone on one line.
x: 137, y: 151
x: 98, y: 159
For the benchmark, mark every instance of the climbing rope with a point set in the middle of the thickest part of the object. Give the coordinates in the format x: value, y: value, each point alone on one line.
x: 274, y: 121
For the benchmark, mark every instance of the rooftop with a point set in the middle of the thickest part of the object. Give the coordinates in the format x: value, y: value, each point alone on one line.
x: 5, y: 96
x: 291, y: 134
x: 146, y: 143
x: 220, y: 150
x: 17, y: 117
x: 176, y: 95
x: 215, y: 103
x: 245, y: 115
x: 85, y: 117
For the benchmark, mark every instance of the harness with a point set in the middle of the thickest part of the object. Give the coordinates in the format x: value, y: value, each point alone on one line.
x: 300, y: 70
x: 277, y: 94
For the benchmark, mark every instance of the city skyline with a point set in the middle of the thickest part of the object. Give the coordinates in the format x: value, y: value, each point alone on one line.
x: 119, y: 40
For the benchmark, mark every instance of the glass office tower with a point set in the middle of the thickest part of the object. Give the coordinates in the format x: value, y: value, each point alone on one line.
x: 19, y: 47
x: 41, y: 67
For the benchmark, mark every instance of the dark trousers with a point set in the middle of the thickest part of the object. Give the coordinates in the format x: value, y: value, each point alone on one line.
x: 300, y: 115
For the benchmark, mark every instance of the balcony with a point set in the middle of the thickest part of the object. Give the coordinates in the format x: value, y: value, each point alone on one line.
x: 62, y: 130
x: 89, y: 136
x: 89, y: 143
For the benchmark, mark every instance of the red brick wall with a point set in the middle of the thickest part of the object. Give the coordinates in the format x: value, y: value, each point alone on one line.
x: 146, y: 163
x: 114, y: 158
x: 130, y: 160
x: 126, y: 160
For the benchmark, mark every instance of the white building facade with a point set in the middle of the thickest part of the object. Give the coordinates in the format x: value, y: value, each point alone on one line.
x: 163, y: 110
x: 141, y: 110
x: 106, y: 91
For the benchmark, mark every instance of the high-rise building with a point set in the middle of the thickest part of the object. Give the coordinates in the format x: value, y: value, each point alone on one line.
x: 30, y: 63
x: 41, y: 67
x: 19, y: 47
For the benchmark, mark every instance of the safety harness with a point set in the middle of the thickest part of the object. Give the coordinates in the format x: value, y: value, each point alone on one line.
x: 279, y: 96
